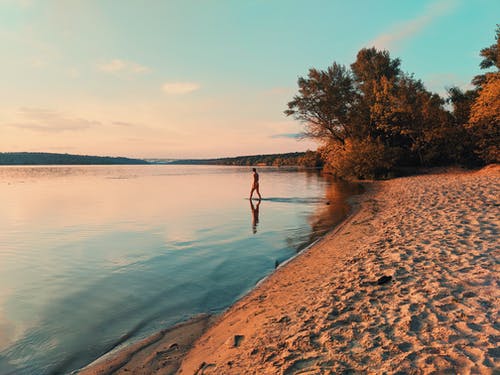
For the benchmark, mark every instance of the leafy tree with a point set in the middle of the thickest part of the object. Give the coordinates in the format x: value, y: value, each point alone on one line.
x: 336, y: 105
x: 325, y: 103
x: 371, y: 65
x: 393, y: 109
x: 360, y: 158
x: 490, y: 55
x: 484, y: 122
x: 458, y: 142
x: 491, y: 58
x: 484, y: 114
x: 408, y: 117
x: 374, y: 117
x: 310, y: 159
x: 369, y: 70
x: 461, y: 102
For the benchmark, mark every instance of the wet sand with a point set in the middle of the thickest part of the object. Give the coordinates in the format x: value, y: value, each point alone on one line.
x: 160, y: 353
x: 410, y: 283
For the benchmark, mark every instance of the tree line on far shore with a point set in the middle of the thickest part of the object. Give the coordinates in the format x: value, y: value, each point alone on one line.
x: 46, y: 158
x: 373, y: 120
x: 308, y: 159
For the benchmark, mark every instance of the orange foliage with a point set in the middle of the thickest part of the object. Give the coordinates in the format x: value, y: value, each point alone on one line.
x: 484, y: 121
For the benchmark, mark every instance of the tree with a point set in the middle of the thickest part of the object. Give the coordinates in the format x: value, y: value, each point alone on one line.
x: 484, y: 117
x: 484, y: 121
x: 458, y: 142
x: 411, y: 119
x: 369, y: 70
x: 359, y: 158
x: 310, y: 159
x: 375, y: 117
x: 371, y: 65
x: 393, y: 110
x: 491, y: 58
x: 461, y: 102
x: 325, y: 103
x: 490, y: 54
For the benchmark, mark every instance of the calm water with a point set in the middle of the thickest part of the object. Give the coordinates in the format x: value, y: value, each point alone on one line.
x: 97, y: 256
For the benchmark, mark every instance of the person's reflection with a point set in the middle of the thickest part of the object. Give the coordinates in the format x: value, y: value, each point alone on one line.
x: 255, y: 215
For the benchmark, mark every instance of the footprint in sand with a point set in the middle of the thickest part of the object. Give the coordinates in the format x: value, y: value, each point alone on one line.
x: 405, y: 346
x: 415, y: 324
x: 237, y: 340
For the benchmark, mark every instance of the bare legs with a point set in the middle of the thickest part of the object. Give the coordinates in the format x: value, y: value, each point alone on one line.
x: 255, y: 188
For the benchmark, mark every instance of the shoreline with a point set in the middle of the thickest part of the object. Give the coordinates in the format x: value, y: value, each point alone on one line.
x: 329, y: 309
x: 162, y: 351
x: 356, y: 203
x: 409, y: 283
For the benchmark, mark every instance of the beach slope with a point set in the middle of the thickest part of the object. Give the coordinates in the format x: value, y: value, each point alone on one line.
x: 408, y: 283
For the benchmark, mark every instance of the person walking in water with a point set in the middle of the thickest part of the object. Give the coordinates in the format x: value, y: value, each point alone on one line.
x: 255, y: 186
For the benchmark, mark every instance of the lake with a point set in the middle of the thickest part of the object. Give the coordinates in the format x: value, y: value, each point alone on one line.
x: 92, y: 257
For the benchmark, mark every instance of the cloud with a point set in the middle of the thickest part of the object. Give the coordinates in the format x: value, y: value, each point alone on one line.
x: 122, y: 66
x: 288, y: 135
x: 47, y: 121
x: 410, y: 28
x: 123, y: 123
x: 180, y: 87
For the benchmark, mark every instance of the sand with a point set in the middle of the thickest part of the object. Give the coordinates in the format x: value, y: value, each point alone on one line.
x: 160, y: 353
x: 408, y: 284
x: 436, y: 236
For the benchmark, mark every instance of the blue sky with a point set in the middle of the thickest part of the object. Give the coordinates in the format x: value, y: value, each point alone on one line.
x: 205, y: 78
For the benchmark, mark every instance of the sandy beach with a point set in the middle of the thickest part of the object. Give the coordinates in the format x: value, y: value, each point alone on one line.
x: 408, y: 284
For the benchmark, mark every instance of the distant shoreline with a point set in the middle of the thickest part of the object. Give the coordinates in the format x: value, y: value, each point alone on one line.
x: 308, y: 159
x: 47, y: 158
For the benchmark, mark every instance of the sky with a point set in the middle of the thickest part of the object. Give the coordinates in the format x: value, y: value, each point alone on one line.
x: 206, y: 78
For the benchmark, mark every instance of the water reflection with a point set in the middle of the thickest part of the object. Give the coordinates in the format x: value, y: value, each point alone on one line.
x: 330, y: 211
x: 255, y: 215
x: 85, y: 264
x: 335, y: 207
x: 294, y: 200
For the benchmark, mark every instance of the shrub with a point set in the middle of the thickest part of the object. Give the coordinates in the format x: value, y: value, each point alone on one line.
x: 362, y: 159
